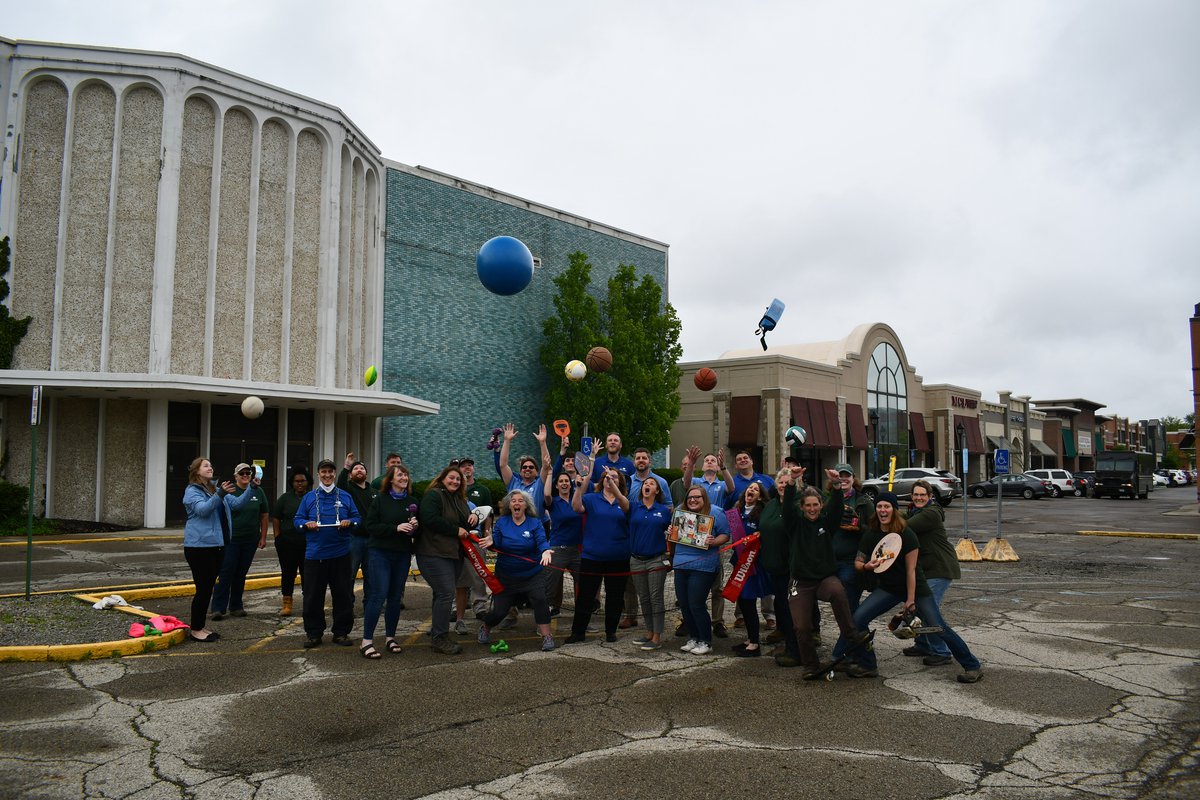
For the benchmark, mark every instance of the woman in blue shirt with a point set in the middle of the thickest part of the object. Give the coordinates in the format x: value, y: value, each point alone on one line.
x: 649, y: 519
x: 520, y: 540
x: 605, y: 553
x: 695, y: 568
x: 758, y: 583
x: 207, y: 530
x: 566, y: 533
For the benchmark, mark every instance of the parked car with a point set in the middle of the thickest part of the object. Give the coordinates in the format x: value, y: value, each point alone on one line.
x: 946, y: 485
x: 1021, y: 485
x: 1060, y: 480
x: 1179, y: 477
x: 1085, y: 483
x: 1161, y: 480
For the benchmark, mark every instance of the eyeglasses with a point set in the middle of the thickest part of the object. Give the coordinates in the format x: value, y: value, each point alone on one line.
x: 454, y: 462
x: 245, y: 472
x: 529, y: 466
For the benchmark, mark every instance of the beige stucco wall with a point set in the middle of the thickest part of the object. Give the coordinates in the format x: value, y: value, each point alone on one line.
x: 124, y: 461
x: 16, y: 449
x: 228, y: 337
x: 75, y: 425
x: 35, y: 245
x: 306, y: 247
x: 189, y: 304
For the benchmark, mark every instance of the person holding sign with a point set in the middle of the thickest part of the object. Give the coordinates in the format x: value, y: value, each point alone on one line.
x: 697, y: 535
x: 743, y: 521
x: 901, y: 581
x: 605, y: 554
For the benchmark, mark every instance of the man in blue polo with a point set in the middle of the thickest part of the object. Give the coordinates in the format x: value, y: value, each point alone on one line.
x: 328, y: 517
x: 612, y: 459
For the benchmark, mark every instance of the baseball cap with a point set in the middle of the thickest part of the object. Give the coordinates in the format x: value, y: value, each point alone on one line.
x: 845, y: 468
x: 243, y: 466
x: 325, y: 462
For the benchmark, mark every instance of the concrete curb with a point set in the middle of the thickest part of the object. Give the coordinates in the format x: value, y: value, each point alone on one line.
x: 94, y: 650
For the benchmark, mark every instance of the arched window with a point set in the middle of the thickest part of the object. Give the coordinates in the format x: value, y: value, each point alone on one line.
x: 887, y: 401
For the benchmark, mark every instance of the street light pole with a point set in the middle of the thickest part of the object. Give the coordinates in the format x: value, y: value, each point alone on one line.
x: 960, y: 434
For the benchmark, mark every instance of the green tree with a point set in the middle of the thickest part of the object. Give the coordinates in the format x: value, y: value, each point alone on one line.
x: 639, y: 396
x: 12, y: 330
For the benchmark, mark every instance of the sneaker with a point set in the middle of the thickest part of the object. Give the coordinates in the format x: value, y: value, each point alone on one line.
x: 702, y: 649
x: 217, y: 616
x: 859, y: 671
x: 691, y: 645
x: 508, y: 624
x: 627, y: 622
x: 547, y: 643
x: 460, y: 627
x: 442, y: 644
x: 720, y: 631
x: 554, y: 611
x: 970, y: 676
x: 610, y: 637
x: 238, y: 612
x: 681, y: 630
x: 485, y: 635
x: 310, y: 643
x: 936, y: 661
x: 343, y: 640
x: 649, y: 645
x: 593, y: 628
x: 641, y: 639
x: 774, y: 637
x: 914, y: 651
x: 573, y: 639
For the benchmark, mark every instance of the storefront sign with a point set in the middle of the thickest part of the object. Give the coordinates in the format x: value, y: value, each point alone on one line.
x: 1016, y: 418
x: 963, y: 402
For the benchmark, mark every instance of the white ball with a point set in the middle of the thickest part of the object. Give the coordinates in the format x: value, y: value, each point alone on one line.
x: 575, y: 370
x: 795, y: 436
x: 252, y: 407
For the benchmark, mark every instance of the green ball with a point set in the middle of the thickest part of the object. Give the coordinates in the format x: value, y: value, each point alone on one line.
x: 370, y: 376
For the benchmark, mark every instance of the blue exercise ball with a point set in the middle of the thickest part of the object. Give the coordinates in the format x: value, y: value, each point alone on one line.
x: 505, y: 265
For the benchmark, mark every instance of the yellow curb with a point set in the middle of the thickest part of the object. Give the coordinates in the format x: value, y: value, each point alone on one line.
x: 24, y: 542
x: 1141, y: 534
x: 94, y: 650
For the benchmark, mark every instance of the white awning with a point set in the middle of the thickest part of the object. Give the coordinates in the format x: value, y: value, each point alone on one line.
x: 1041, y: 448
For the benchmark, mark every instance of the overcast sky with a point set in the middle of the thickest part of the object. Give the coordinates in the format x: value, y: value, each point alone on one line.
x: 1014, y: 187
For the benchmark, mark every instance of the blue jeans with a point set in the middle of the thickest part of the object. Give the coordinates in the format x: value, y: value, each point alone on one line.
x: 389, y: 572
x: 227, y: 594
x: 360, y: 558
x: 880, y: 601
x: 849, y: 578
x: 692, y: 588
x: 932, y: 643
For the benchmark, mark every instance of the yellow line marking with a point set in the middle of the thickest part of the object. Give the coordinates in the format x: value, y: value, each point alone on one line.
x: 263, y: 642
x: 416, y: 635
x: 24, y: 542
x: 1141, y: 534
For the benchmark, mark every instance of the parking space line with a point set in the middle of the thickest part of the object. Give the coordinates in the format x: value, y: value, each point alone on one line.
x: 1141, y: 534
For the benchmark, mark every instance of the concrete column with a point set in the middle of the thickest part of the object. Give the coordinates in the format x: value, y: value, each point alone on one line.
x: 155, y: 497
x: 776, y: 414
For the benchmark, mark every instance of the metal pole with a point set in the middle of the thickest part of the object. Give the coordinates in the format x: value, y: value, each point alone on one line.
x: 963, y: 449
x: 29, y: 516
x: 999, y: 503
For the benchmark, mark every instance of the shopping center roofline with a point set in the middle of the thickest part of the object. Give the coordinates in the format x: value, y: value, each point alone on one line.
x: 192, y: 389
x: 721, y: 362
x: 520, y: 202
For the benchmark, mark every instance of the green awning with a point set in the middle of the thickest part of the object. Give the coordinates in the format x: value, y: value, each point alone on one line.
x: 1099, y: 443
x: 1068, y: 443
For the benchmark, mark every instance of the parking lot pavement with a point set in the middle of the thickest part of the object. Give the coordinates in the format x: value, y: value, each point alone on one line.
x: 1089, y: 647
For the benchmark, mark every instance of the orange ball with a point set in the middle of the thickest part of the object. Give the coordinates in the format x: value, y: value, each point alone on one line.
x: 705, y: 379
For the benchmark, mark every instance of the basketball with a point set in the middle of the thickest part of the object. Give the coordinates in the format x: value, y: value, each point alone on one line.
x: 795, y: 436
x: 370, y: 376
x: 504, y: 265
x: 598, y: 359
x: 252, y: 408
x: 705, y: 379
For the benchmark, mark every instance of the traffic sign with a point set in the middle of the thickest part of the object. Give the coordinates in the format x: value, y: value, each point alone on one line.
x: 1002, y: 462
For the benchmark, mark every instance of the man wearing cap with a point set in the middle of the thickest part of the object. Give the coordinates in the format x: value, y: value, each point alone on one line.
x: 249, y: 534
x: 328, y: 516
x: 470, y: 587
x: 353, y: 479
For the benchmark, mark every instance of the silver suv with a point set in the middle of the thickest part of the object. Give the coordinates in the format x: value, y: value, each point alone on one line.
x: 1059, y: 479
x: 946, y: 485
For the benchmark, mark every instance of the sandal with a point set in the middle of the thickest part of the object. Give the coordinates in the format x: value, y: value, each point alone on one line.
x: 369, y: 651
x: 393, y: 646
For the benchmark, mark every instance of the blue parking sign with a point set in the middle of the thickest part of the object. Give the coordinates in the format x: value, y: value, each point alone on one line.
x: 1002, y: 462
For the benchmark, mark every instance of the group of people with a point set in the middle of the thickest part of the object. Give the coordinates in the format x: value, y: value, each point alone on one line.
x: 784, y: 544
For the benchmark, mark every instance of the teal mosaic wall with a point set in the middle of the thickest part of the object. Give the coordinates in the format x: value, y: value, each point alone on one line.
x: 449, y: 340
